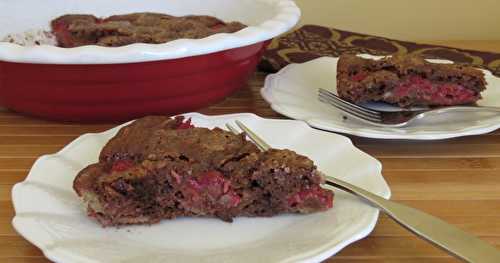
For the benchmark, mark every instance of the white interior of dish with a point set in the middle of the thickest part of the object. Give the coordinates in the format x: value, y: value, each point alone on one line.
x: 21, y: 15
x: 265, y: 19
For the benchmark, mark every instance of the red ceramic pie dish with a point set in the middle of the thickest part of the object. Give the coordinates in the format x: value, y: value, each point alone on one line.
x: 104, y: 92
x: 91, y: 83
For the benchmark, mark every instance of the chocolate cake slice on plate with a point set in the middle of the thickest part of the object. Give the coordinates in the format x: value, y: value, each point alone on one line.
x: 407, y: 80
x: 161, y: 168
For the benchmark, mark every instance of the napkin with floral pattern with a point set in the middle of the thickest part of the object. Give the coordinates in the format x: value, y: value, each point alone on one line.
x: 311, y: 41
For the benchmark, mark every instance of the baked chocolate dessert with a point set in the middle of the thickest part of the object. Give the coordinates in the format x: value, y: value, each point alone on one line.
x: 78, y: 30
x: 161, y: 168
x: 408, y: 80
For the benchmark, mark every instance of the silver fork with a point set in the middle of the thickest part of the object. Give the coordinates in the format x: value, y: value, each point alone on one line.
x: 447, y: 237
x: 389, y: 118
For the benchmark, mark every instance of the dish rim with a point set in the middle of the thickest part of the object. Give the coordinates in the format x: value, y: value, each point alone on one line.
x: 286, y: 17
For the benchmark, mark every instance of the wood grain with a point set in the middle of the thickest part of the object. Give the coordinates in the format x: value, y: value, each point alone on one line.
x: 457, y: 180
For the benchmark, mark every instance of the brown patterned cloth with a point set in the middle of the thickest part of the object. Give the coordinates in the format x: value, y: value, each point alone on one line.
x: 310, y: 42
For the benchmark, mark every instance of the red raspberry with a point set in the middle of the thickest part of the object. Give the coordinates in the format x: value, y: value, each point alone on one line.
x: 121, y: 165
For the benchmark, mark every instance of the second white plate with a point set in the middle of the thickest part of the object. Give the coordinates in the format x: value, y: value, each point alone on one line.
x: 293, y: 92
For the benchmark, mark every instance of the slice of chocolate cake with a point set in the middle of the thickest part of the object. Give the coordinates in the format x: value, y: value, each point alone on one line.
x: 78, y: 30
x: 407, y: 80
x: 161, y: 168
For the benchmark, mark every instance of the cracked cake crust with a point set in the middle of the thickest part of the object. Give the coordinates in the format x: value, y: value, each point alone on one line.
x: 76, y: 30
x: 161, y: 168
x: 408, y: 80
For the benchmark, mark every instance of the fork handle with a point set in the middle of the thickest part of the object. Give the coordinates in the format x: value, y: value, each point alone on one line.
x: 448, y: 237
x: 466, y: 109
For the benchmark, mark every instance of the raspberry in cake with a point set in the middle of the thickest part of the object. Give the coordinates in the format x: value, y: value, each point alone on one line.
x: 161, y: 168
x: 408, y: 80
x: 78, y: 30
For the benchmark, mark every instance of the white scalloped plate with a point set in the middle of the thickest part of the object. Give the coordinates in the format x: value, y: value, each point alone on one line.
x: 50, y: 215
x: 265, y: 19
x: 293, y: 92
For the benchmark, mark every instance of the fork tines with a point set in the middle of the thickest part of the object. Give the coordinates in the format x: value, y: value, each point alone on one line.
x: 348, y: 107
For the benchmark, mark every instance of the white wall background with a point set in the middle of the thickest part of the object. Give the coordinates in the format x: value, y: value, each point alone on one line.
x: 409, y: 19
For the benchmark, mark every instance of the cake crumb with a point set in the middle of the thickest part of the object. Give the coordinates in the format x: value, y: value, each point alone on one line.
x: 34, y: 37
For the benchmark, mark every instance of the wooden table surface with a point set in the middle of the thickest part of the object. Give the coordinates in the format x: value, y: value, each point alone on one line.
x: 457, y: 180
